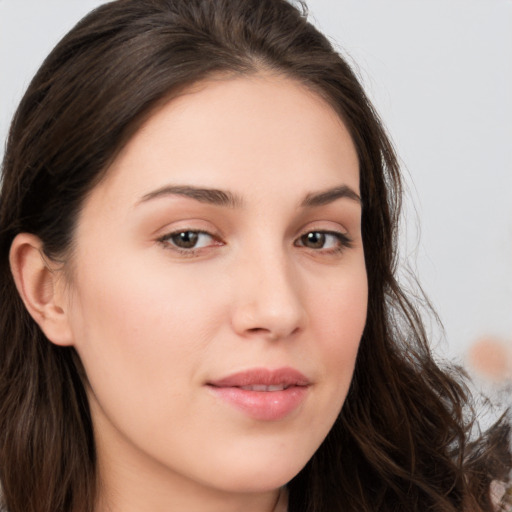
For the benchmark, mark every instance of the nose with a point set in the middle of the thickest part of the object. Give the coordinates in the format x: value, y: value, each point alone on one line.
x: 268, y: 299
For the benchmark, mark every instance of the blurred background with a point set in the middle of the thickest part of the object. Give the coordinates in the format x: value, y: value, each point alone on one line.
x: 440, y: 74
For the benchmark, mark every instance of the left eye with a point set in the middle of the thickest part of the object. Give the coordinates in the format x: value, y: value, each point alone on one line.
x: 323, y: 240
x: 189, y: 239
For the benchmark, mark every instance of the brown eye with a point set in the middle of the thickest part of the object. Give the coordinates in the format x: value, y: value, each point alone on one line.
x: 188, y: 240
x: 185, y: 239
x: 324, y: 240
x: 313, y: 240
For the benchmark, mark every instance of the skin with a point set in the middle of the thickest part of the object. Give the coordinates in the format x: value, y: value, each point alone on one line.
x: 153, y: 323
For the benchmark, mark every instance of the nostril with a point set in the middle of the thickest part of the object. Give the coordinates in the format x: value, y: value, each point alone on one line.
x: 271, y: 334
x: 266, y: 333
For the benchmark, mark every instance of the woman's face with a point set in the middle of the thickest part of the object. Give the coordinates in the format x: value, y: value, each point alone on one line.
x: 218, y: 290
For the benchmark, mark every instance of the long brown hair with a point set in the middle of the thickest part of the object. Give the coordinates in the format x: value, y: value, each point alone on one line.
x: 402, y: 441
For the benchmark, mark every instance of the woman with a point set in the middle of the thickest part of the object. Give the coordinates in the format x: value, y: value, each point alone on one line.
x: 199, y: 309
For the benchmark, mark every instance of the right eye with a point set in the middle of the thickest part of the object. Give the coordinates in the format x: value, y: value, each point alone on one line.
x: 188, y: 240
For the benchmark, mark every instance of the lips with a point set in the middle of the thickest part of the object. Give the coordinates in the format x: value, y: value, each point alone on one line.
x: 263, y: 377
x: 262, y: 387
x: 263, y: 394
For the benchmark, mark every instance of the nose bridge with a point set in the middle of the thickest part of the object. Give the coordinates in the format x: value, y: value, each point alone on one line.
x: 268, y: 300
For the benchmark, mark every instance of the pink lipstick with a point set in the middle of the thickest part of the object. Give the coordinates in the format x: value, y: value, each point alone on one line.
x: 263, y: 394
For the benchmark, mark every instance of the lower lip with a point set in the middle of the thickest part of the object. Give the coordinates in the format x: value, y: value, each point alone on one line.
x: 263, y: 405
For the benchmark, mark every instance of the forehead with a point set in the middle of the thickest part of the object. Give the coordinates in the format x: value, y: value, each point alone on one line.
x: 240, y: 132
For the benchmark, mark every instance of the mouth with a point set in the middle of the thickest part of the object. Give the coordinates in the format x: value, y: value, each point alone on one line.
x: 263, y: 379
x: 262, y: 387
x: 263, y: 394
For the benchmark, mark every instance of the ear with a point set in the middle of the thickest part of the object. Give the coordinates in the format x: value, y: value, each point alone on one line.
x: 40, y: 287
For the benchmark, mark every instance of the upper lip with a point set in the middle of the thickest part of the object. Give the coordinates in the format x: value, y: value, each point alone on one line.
x: 263, y: 376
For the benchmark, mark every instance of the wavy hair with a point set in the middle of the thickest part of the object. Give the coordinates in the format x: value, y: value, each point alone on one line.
x: 402, y: 441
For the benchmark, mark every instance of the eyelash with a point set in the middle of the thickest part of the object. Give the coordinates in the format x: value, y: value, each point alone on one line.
x: 343, y: 241
x: 167, y: 242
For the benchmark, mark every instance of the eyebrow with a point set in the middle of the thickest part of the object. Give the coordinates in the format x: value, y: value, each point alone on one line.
x: 203, y: 195
x: 329, y: 196
x: 225, y: 198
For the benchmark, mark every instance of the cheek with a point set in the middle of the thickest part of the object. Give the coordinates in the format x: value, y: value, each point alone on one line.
x: 136, y: 333
x: 339, y: 312
x: 338, y: 317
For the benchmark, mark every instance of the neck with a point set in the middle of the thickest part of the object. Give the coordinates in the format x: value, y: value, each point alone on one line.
x: 124, y: 489
x: 135, y: 502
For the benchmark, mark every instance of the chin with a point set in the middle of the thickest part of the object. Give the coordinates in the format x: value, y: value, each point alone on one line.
x: 258, y: 476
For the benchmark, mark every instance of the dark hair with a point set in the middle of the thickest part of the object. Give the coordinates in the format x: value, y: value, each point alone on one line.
x: 402, y: 440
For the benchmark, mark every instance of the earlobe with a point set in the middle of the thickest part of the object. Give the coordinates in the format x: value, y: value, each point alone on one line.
x: 37, y: 284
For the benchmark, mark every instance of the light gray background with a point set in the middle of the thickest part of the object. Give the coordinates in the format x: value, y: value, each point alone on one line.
x: 439, y: 72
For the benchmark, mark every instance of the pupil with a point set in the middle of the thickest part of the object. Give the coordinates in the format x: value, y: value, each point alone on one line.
x: 314, y: 240
x: 185, y: 240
